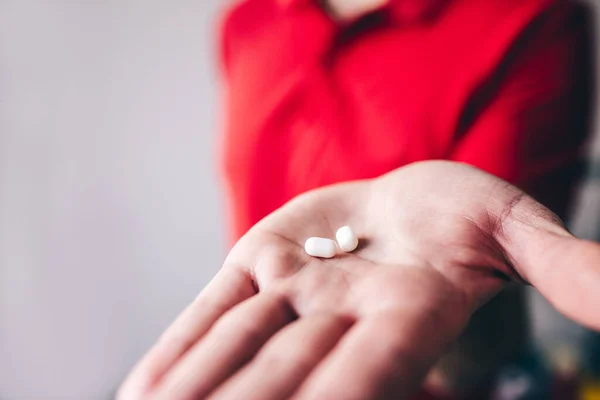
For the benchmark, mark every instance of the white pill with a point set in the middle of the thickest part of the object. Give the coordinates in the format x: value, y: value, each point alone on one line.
x: 346, y: 239
x: 320, y: 247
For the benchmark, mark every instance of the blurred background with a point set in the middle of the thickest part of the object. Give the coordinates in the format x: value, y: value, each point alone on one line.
x: 110, y: 214
x: 111, y: 218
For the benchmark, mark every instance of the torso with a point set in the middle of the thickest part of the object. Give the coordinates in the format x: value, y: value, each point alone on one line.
x: 311, y: 105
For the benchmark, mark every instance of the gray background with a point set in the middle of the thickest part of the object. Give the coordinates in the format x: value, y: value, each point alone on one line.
x: 111, y: 219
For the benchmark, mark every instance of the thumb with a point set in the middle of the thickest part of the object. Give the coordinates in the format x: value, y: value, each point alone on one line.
x: 563, y: 268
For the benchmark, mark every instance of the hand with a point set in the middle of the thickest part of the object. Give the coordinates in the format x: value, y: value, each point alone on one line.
x: 438, y: 239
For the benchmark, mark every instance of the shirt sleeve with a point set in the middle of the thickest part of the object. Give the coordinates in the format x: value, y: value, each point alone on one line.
x: 529, y: 121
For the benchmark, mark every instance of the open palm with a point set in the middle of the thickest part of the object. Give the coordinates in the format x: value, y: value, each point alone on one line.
x: 437, y: 241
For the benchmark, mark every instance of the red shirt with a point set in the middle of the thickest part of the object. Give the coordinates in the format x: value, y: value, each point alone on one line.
x: 500, y: 84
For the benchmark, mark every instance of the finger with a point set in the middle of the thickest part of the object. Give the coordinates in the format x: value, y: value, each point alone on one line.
x: 286, y: 360
x: 232, y: 342
x: 565, y: 270
x: 383, y: 356
x: 229, y: 287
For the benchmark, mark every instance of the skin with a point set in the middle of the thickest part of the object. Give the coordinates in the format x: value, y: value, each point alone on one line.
x: 438, y: 240
x: 348, y: 10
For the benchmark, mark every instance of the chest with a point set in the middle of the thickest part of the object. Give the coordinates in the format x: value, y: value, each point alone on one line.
x: 320, y: 106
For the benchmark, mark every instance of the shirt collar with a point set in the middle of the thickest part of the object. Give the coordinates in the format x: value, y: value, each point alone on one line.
x: 403, y: 10
x: 292, y: 3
